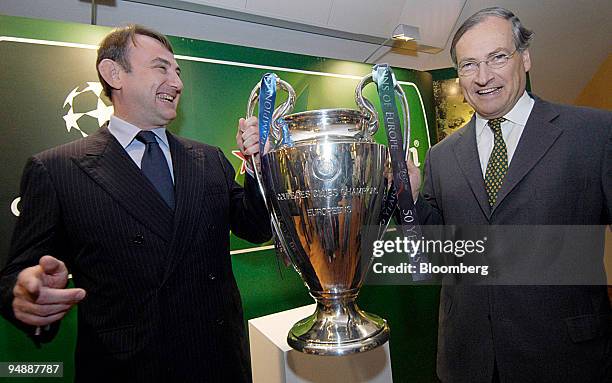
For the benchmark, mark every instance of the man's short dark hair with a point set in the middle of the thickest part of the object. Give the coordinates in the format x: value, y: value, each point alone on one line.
x: 115, y: 46
x: 521, y: 35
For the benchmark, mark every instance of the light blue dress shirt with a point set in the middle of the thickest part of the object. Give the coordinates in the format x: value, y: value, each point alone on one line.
x: 126, y: 133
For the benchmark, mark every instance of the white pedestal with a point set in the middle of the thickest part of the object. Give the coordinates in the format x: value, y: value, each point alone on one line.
x: 274, y: 361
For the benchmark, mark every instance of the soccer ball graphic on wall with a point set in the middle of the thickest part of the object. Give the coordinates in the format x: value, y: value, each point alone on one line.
x: 87, y: 110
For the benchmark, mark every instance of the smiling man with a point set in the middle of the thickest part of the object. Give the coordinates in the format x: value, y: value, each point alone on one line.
x: 492, y: 67
x: 519, y: 161
x: 141, y: 218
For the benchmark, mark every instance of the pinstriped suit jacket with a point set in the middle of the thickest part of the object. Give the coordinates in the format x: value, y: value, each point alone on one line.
x: 162, y: 303
x: 561, y: 174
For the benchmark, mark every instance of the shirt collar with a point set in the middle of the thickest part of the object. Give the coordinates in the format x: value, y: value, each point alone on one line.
x: 518, y: 114
x: 125, y: 132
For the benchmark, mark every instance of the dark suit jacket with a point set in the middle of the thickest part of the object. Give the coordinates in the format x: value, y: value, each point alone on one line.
x: 162, y: 303
x: 561, y: 174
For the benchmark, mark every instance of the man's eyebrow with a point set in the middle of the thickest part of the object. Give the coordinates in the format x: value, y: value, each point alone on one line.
x: 493, y: 52
x: 159, y: 60
x: 496, y: 51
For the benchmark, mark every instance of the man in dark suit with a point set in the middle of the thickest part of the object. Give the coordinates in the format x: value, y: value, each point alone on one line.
x: 519, y: 161
x: 140, y: 217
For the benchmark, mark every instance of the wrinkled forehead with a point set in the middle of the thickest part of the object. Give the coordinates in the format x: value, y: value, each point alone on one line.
x: 490, y: 35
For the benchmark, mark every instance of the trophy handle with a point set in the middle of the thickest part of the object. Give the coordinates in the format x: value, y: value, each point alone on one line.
x: 276, y: 134
x: 366, y: 106
x: 406, y: 115
x: 285, y: 108
x: 368, y: 109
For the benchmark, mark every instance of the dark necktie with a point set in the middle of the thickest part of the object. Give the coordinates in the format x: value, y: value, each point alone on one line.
x: 155, y: 167
x: 497, y: 167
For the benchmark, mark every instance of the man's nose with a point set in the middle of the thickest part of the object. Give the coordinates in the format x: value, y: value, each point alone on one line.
x: 175, y: 81
x: 483, y: 73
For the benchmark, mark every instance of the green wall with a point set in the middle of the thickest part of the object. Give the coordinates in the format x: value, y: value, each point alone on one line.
x: 37, y: 75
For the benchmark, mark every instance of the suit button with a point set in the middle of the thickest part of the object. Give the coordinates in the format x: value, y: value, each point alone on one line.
x: 212, y: 276
x: 211, y: 227
x: 220, y: 321
x: 138, y: 239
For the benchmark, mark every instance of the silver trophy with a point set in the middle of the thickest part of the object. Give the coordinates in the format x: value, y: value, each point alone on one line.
x: 324, y: 188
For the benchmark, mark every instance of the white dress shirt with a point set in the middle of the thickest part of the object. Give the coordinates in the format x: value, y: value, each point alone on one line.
x: 126, y: 133
x: 512, y: 129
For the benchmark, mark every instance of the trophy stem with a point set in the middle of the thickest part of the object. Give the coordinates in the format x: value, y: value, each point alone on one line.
x: 338, y: 327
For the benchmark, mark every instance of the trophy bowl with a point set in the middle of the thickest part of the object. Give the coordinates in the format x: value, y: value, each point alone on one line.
x: 324, y: 187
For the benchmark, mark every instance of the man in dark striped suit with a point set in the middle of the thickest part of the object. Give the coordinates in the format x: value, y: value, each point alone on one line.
x: 140, y: 217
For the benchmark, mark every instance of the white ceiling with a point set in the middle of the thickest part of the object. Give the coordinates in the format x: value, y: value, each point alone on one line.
x: 434, y: 18
x: 572, y: 37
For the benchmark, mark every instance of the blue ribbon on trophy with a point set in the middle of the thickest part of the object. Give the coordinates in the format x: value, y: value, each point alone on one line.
x: 267, y: 98
x: 386, y: 82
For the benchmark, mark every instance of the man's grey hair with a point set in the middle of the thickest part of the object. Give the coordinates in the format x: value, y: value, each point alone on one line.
x: 521, y: 35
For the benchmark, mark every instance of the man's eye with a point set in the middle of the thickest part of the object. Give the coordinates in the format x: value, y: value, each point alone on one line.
x: 468, y: 65
x: 499, y: 58
x: 162, y: 69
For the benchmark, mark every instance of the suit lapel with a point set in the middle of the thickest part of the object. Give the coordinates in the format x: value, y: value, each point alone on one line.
x: 108, y: 164
x: 188, y: 164
x: 537, y: 138
x: 468, y: 160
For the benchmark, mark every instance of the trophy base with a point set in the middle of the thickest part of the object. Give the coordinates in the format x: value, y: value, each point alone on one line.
x: 338, y: 327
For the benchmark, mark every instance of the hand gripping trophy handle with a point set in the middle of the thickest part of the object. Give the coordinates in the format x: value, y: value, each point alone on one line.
x: 285, y: 108
x: 276, y: 137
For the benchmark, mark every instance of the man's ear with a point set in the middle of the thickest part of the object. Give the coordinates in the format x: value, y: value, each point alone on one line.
x: 110, y: 72
x: 526, y: 60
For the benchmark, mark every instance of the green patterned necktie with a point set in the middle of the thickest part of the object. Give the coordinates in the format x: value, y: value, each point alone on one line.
x: 498, y: 162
